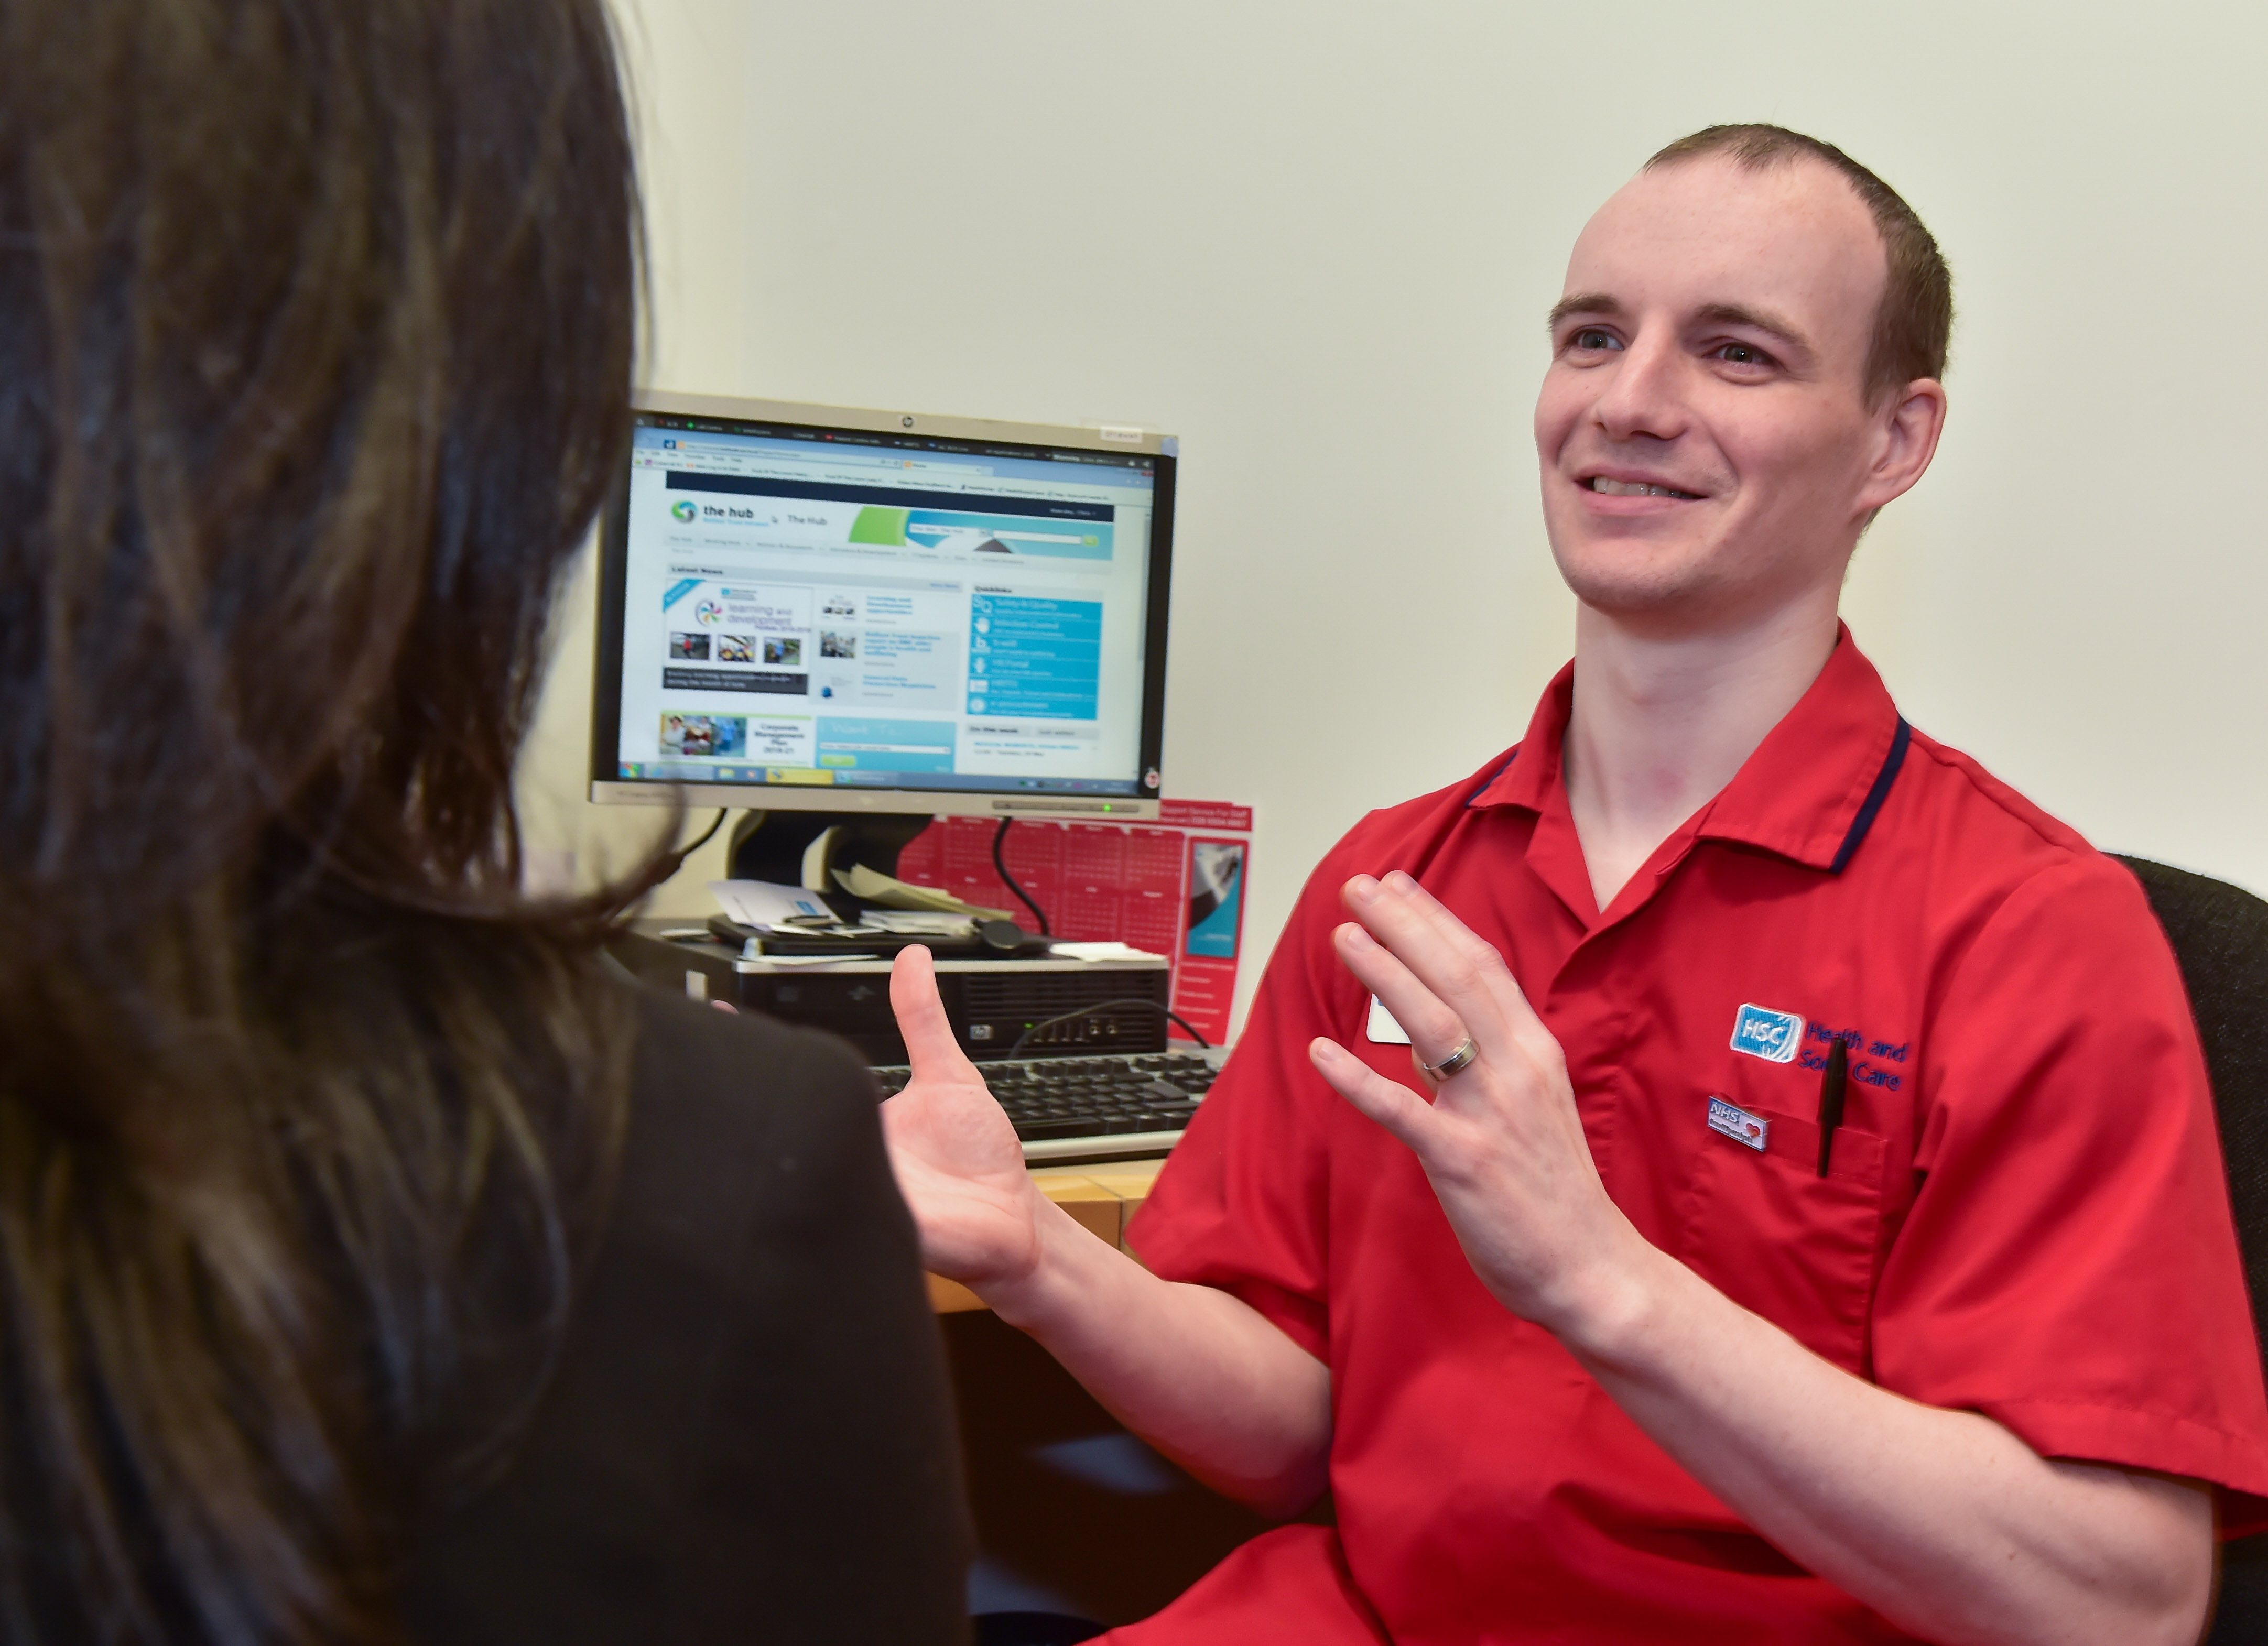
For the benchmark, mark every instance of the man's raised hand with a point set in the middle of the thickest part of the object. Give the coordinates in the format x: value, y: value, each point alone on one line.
x: 954, y: 1152
x: 1501, y: 1141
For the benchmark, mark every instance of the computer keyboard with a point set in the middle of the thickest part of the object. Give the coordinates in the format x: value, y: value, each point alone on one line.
x: 1113, y: 1099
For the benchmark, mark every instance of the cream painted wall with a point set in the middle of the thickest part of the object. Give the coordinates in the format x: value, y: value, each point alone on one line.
x: 1316, y: 240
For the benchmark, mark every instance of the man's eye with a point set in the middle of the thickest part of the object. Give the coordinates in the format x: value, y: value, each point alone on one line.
x: 1744, y: 354
x: 1592, y: 337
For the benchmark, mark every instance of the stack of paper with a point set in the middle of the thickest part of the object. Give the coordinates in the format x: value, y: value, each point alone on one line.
x: 868, y: 887
x: 917, y: 923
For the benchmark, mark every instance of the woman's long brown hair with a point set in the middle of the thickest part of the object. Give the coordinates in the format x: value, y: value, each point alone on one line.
x: 316, y: 321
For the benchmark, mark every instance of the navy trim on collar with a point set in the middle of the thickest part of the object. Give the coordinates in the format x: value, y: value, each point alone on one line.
x: 1875, y: 795
x: 1495, y: 776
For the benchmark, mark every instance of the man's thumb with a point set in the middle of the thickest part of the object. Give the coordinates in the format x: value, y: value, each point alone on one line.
x: 930, y: 1044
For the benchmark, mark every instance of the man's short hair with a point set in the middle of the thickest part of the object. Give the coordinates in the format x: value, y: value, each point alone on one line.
x: 1914, y: 321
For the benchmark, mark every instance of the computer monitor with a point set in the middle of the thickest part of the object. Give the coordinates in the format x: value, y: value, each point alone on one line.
x: 814, y: 608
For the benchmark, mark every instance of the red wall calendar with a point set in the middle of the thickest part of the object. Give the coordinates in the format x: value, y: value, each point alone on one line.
x: 1174, y: 887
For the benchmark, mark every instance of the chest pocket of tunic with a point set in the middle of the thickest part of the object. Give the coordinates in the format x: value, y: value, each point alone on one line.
x: 1777, y: 1238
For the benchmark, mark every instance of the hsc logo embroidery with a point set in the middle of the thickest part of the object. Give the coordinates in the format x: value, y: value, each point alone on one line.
x: 1771, y: 1035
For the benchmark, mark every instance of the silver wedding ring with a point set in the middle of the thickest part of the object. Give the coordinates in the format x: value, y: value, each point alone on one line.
x: 1456, y: 1064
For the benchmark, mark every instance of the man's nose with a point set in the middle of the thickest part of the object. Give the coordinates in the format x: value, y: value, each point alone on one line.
x: 1644, y: 395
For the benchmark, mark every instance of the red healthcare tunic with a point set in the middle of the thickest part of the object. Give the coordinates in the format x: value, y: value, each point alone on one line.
x: 2025, y: 1216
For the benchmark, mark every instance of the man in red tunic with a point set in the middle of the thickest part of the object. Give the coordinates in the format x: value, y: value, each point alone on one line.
x: 1803, y: 1220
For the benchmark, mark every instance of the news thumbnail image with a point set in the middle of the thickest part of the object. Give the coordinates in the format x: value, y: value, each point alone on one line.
x: 704, y: 736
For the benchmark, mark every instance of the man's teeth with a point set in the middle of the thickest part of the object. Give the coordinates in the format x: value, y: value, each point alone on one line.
x: 1634, y: 488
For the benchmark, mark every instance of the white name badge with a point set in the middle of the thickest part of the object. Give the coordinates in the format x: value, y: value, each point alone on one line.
x: 1383, y: 1029
x: 1738, y: 1124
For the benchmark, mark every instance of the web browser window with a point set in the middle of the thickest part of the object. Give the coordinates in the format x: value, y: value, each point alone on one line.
x: 845, y: 608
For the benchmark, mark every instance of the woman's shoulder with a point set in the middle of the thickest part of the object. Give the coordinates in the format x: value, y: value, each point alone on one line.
x: 747, y: 1435
x: 754, y: 1070
x: 740, y: 1124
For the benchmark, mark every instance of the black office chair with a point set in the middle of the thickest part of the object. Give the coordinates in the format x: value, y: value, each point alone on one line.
x: 2219, y: 937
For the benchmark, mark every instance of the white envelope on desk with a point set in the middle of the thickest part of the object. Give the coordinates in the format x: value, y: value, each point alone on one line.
x: 761, y: 903
x: 1101, y: 951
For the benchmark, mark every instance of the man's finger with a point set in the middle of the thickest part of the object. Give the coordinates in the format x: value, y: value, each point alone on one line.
x: 1473, y: 987
x: 1401, y: 884
x: 1459, y: 935
x: 1398, y: 1109
x: 1432, y: 1026
x: 1446, y: 956
x: 931, y: 1047
x: 1434, y: 944
x: 1521, y: 1018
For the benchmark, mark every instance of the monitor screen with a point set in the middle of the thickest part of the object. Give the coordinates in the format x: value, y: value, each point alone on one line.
x: 818, y: 608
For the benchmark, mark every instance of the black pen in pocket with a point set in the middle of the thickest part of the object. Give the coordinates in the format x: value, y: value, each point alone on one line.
x: 1830, y: 1098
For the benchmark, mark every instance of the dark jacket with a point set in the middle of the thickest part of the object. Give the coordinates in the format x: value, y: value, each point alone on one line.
x: 749, y: 1437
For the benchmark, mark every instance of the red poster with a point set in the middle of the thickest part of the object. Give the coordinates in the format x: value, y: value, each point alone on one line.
x: 1174, y: 887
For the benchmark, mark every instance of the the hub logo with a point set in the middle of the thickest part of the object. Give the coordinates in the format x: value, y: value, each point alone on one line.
x: 1763, y: 1033
x: 683, y: 510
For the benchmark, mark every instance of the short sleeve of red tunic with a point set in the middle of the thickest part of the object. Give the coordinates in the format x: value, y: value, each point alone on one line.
x: 1243, y: 1204
x: 2066, y: 1265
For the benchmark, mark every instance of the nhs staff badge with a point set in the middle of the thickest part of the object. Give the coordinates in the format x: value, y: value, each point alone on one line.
x: 1771, y: 1035
x: 1738, y: 1124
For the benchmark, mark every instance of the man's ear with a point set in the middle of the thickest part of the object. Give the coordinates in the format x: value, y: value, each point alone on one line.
x: 1906, y: 439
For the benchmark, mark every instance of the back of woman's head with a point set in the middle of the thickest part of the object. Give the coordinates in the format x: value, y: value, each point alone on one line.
x: 315, y: 326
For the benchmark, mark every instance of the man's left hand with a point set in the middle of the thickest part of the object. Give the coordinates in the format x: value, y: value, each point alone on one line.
x: 1500, y: 1140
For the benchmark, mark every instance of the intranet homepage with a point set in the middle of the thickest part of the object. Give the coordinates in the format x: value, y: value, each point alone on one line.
x: 862, y: 617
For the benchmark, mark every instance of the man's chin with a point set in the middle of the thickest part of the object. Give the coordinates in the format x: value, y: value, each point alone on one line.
x: 1646, y: 593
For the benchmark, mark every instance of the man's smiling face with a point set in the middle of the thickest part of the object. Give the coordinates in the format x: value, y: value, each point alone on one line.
x: 1708, y: 450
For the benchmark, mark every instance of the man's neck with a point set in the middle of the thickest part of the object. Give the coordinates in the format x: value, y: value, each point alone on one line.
x: 1661, y: 722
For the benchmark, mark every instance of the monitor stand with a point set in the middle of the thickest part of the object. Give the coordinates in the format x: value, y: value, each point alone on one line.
x: 778, y: 847
x: 774, y: 845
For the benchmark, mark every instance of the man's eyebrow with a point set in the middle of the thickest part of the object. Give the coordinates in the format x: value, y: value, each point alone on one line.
x: 1761, y: 319
x: 1581, y: 302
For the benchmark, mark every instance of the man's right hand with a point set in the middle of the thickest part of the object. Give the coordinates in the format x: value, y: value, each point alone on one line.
x: 1199, y: 1374
x: 954, y: 1152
